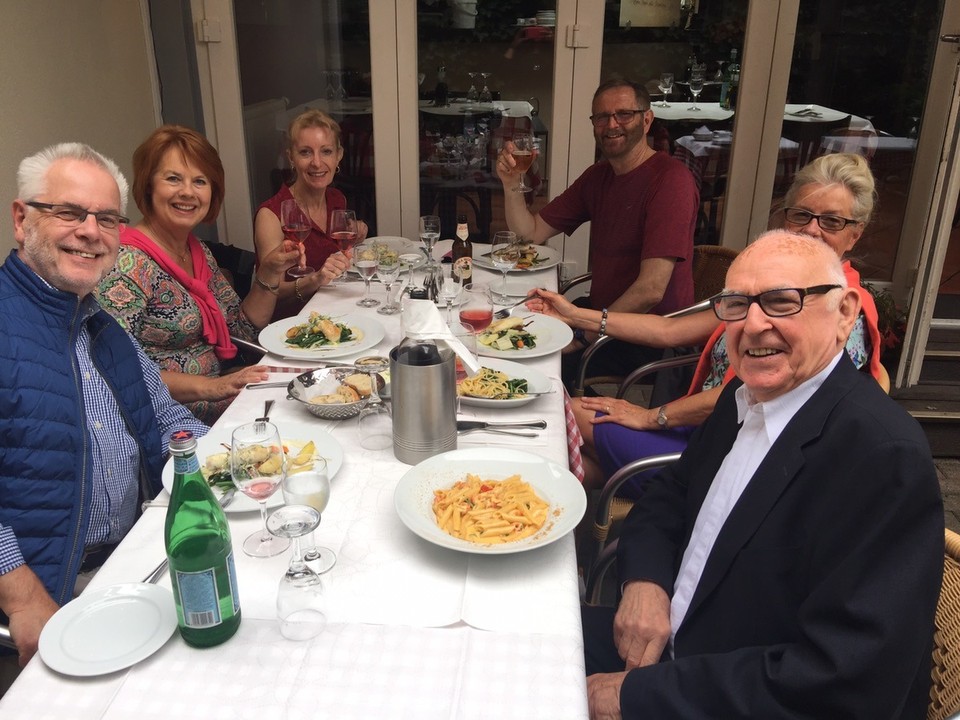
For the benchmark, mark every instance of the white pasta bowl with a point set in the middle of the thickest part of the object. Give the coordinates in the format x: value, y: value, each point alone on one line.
x: 554, y: 483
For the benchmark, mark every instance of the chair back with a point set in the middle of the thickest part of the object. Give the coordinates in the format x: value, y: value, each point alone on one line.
x: 945, y: 673
x: 710, y: 264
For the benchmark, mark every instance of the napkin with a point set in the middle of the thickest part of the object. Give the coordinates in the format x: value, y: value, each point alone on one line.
x: 422, y: 320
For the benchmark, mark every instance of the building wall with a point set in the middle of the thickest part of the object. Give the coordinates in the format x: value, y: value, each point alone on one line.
x: 72, y: 71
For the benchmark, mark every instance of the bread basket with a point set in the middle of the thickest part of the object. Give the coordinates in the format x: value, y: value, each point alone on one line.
x: 311, y: 384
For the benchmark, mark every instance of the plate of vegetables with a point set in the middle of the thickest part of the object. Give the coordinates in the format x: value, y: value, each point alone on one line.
x: 302, y: 443
x: 524, y: 336
x: 317, y: 337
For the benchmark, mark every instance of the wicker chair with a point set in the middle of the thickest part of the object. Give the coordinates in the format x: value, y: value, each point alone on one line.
x: 945, y: 674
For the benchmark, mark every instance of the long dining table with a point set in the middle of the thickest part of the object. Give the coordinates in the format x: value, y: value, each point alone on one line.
x: 414, y: 630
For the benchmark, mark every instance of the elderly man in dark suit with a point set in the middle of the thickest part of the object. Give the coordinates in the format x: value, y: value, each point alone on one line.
x: 788, y: 566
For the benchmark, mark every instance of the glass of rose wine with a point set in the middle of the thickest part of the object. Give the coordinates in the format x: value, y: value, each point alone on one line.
x: 296, y: 225
x: 523, y: 150
x: 343, y: 229
x: 477, y: 308
x: 257, y: 467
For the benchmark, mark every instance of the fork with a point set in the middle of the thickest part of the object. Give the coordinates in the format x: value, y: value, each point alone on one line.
x: 267, y: 405
x: 501, y: 314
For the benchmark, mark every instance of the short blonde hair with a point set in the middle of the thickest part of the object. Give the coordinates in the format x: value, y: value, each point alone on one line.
x: 847, y: 169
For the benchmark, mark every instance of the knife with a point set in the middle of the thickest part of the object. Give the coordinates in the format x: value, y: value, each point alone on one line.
x: 463, y: 425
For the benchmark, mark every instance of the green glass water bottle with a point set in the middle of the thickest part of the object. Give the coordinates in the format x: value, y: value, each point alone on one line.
x: 200, y: 552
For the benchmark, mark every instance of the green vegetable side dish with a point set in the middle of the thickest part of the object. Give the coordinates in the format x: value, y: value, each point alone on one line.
x: 319, y: 330
x: 510, y: 339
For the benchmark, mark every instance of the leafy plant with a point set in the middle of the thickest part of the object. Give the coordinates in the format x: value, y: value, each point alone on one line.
x: 891, y: 320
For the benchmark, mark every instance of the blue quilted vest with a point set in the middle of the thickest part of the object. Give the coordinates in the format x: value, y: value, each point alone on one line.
x: 45, y: 454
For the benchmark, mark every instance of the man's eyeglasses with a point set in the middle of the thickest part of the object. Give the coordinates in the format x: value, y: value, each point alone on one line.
x: 775, y: 303
x: 74, y: 215
x: 621, y: 116
x: 832, y: 223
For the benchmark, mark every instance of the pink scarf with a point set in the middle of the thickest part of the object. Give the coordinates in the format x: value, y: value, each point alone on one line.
x: 215, y: 329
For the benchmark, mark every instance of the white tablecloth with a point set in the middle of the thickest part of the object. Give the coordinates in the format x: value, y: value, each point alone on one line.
x: 415, y: 630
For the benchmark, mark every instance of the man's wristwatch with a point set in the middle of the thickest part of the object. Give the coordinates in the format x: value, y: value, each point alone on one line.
x: 662, y: 417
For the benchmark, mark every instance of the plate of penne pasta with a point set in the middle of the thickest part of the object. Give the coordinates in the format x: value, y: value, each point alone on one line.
x: 477, y: 501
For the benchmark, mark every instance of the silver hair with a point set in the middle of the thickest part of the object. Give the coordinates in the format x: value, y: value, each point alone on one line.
x: 32, y: 173
x: 848, y: 170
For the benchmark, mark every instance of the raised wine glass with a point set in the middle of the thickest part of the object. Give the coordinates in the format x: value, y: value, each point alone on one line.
x: 429, y: 234
x: 257, y: 467
x: 388, y: 270
x: 343, y: 230
x: 301, y: 602
x: 504, y: 254
x: 365, y: 262
x: 296, y: 225
x: 312, y: 488
x: 696, y: 87
x: 477, y: 307
x: 523, y: 149
x: 666, y: 86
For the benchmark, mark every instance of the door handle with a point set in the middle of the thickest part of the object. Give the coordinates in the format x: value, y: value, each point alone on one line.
x: 950, y: 38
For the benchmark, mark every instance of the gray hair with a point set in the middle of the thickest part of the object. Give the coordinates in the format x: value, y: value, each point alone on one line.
x: 32, y: 173
x: 847, y: 169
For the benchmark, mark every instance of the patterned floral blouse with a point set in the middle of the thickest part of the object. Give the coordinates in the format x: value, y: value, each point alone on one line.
x: 159, y: 312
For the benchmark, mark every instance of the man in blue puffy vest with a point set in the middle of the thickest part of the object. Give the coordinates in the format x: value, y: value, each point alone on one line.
x: 84, y: 416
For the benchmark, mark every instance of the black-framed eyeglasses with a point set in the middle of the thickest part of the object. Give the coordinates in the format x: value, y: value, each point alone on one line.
x: 74, y: 215
x: 621, y: 116
x: 775, y: 303
x: 833, y: 223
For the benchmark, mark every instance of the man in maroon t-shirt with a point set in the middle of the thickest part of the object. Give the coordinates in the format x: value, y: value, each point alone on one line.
x: 642, y: 208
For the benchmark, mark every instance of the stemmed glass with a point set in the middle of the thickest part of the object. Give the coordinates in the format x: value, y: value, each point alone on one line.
x: 374, y: 422
x: 504, y: 254
x: 485, y: 94
x: 472, y: 94
x: 301, y: 602
x: 330, y: 92
x: 449, y: 287
x: 311, y: 488
x: 343, y: 230
x: 388, y: 270
x: 477, y: 308
x: 257, y: 467
x: 696, y: 87
x: 429, y: 234
x: 666, y: 86
x: 365, y: 261
x: 296, y: 224
x: 522, y: 154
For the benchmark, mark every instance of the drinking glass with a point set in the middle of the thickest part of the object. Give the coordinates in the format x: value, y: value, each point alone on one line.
x: 257, y: 467
x: 696, y: 87
x: 449, y: 287
x: 365, y: 261
x: 477, y: 308
x: 504, y: 254
x: 485, y: 94
x: 301, y: 602
x: 296, y: 225
x: 464, y: 333
x: 388, y: 270
x: 472, y: 94
x: 311, y: 488
x: 429, y: 234
x: 523, y: 156
x: 343, y: 230
x: 374, y: 421
x: 666, y: 86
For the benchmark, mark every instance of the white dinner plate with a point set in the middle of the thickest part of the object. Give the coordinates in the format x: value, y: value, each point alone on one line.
x: 555, y: 484
x: 536, y: 382
x: 550, y: 257
x: 108, y: 629
x: 517, y: 286
x: 293, y: 434
x: 552, y: 335
x: 273, y: 337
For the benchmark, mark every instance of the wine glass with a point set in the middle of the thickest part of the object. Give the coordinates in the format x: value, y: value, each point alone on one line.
x: 374, y: 421
x: 343, y: 230
x: 522, y: 154
x: 472, y: 94
x: 719, y: 74
x: 485, y: 94
x: 365, y: 261
x: 312, y: 488
x: 429, y: 234
x: 301, y: 601
x: 296, y: 224
x: 449, y: 287
x: 477, y: 308
x: 257, y: 467
x: 388, y: 270
x: 504, y: 254
x: 696, y: 87
x: 666, y: 86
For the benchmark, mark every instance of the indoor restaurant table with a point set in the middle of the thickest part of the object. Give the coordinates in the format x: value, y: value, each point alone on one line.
x: 415, y: 630
x: 679, y: 111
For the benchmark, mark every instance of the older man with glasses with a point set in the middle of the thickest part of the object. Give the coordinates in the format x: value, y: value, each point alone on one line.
x: 84, y: 416
x: 789, y: 564
x: 642, y: 208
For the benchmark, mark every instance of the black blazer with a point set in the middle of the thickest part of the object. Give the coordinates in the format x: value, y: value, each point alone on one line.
x: 818, y: 598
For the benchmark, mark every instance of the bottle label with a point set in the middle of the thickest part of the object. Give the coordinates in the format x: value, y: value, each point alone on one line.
x: 199, y: 601
x: 463, y: 269
x: 185, y: 464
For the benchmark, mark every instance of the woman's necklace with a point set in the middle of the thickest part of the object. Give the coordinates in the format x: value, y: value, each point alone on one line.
x: 182, y: 257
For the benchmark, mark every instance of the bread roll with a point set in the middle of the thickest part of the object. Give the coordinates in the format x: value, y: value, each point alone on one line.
x: 344, y: 394
x: 359, y: 382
